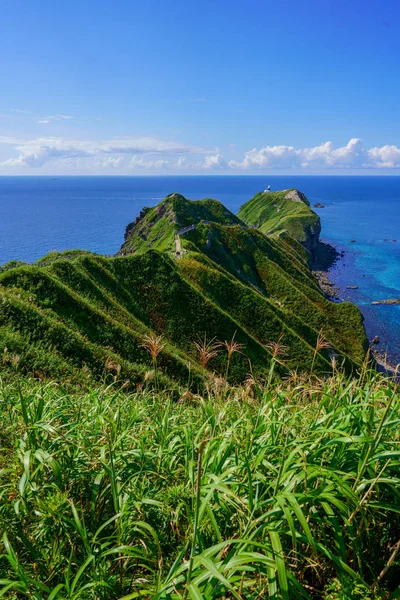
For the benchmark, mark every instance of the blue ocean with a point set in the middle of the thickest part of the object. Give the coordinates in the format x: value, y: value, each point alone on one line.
x: 40, y: 214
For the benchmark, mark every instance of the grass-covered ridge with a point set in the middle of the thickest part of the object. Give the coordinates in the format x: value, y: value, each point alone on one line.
x: 288, y: 492
x: 78, y: 316
x: 74, y: 317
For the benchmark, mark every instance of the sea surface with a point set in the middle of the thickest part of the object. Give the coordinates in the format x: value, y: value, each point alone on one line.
x: 40, y: 214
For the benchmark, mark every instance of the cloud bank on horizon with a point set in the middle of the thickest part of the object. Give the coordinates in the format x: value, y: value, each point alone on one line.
x: 135, y: 155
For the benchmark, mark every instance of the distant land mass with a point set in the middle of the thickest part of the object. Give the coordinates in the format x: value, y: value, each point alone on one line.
x: 187, y: 269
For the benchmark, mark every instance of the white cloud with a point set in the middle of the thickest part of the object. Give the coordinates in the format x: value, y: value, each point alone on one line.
x: 40, y: 151
x: 325, y: 156
x: 268, y: 157
x: 46, y: 120
x: 148, y: 164
x: 19, y: 111
x: 352, y: 155
x: 385, y: 157
x: 210, y: 162
x: 215, y: 161
x: 115, y: 162
x: 155, y: 154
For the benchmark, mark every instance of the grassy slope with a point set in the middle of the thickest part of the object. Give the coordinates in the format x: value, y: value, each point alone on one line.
x: 272, y: 212
x: 78, y: 314
x: 85, y: 312
x: 281, y: 282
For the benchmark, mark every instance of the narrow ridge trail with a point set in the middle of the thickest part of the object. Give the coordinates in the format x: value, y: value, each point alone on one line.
x: 178, y: 247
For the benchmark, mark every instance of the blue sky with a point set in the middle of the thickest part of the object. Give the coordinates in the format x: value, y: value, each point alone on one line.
x: 182, y: 87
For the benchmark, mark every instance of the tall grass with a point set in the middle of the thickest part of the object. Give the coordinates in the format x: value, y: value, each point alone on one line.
x: 278, y: 492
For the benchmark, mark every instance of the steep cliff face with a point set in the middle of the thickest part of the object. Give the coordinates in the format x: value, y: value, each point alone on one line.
x: 286, y: 210
x: 312, y: 231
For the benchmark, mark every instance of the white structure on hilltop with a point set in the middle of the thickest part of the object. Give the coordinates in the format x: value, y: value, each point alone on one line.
x: 268, y: 189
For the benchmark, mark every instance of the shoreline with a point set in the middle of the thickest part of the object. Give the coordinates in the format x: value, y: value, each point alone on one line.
x: 325, y: 258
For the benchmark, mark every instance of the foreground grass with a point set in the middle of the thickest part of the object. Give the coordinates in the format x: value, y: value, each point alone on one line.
x: 289, y: 492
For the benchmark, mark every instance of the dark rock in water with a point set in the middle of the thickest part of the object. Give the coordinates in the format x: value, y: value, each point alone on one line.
x: 352, y: 287
x: 376, y: 340
x: 352, y: 241
x: 319, y: 205
x: 388, y: 301
x: 327, y: 286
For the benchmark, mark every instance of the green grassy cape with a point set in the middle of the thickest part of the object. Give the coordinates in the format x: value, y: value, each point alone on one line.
x: 72, y: 313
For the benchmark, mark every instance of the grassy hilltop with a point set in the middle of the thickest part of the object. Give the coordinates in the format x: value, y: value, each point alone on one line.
x: 72, y: 314
x: 156, y: 227
x: 287, y: 210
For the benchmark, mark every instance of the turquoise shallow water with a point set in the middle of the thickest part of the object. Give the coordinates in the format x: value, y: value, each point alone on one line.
x: 39, y: 214
x: 366, y: 210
